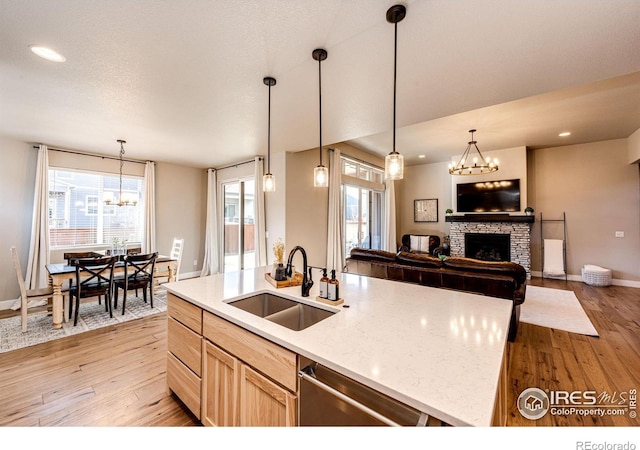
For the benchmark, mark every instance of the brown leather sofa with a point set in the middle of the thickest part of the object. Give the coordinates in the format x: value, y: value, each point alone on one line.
x: 500, y: 279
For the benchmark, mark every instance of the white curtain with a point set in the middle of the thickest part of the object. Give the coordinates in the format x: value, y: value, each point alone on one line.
x: 149, y: 239
x: 211, y: 263
x: 260, y: 231
x: 389, y: 240
x: 335, y: 258
x: 36, y: 276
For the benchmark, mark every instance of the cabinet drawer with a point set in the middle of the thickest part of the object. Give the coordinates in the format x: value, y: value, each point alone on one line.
x: 184, y: 383
x: 267, y: 357
x: 185, y: 345
x: 184, y: 312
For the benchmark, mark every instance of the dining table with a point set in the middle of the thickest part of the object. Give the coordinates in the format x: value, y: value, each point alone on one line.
x: 60, y: 273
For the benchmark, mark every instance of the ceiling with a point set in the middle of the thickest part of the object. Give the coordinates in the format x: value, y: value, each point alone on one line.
x: 181, y: 80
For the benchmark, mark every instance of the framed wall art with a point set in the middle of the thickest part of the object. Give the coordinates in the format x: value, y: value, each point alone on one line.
x: 425, y: 210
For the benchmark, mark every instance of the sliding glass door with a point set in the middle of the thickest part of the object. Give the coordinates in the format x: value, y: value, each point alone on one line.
x: 239, y: 225
x: 362, y: 216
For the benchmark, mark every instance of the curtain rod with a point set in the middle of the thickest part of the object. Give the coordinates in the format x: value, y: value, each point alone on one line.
x: 237, y: 164
x: 74, y: 152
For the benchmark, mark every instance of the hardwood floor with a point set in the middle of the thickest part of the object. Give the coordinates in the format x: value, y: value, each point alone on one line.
x: 115, y: 376
x: 555, y: 360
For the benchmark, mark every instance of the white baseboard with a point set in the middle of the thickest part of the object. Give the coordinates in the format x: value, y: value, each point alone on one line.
x: 615, y: 282
x: 187, y: 275
x: 7, y: 304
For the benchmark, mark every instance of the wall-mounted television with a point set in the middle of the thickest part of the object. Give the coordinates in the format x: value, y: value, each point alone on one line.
x: 489, y: 196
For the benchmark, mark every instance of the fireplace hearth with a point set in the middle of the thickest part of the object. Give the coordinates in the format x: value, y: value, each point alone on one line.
x: 487, y: 247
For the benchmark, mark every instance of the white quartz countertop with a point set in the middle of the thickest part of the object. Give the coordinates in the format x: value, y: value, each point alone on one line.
x: 439, y: 351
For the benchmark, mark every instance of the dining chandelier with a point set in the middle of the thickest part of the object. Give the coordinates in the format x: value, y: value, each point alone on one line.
x: 122, y: 200
x: 473, y: 165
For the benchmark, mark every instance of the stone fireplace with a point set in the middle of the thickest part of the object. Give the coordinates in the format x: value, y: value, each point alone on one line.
x: 492, y: 237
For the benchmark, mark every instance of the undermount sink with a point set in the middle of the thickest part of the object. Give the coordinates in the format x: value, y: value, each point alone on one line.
x: 288, y: 313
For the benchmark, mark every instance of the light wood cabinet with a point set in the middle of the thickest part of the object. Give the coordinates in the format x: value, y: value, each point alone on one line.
x: 220, y: 389
x: 184, y: 352
x: 263, y: 403
x: 247, y: 380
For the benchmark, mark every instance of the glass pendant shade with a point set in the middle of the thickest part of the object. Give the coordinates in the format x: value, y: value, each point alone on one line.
x: 321, y: 177
x: 394, y: 166
x: 268, y: 183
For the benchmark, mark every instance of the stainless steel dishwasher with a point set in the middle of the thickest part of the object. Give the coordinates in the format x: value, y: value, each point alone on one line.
x: 328, y: 398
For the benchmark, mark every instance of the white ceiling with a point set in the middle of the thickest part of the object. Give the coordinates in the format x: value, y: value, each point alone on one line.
x: 181, y: 80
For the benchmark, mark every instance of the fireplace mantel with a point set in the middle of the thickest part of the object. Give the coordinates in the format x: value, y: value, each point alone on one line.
x: 490, y: 218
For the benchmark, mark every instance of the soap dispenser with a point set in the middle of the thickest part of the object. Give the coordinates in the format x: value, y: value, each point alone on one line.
x: 324, y: 284
x: 334, y: 287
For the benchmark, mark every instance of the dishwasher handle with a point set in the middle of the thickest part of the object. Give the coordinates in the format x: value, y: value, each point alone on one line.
x: 308, y: 374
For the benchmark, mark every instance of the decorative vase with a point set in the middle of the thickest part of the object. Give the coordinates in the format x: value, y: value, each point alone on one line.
x: 281, y: 273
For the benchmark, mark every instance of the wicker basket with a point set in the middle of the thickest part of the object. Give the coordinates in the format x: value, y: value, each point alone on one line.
x: 596, y: 275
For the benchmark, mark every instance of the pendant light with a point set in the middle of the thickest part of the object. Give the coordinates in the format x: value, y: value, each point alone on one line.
x: 268, y: 181
x: 477, y: 166
x: 394, y: 162
x: 320, y: 173
x: 121, y: 200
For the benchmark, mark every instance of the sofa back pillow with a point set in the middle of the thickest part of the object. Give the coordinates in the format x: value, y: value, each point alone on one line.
x: 419, y: 243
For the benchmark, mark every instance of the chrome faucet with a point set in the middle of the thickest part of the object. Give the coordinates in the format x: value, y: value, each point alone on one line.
x: 307, y: 282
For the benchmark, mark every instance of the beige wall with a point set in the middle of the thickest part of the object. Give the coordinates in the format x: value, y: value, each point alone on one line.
x: 181, y: 195
x: 16, y: 204
x: 599, y: 191
x: 633, y: 147
x: 425, y: 181
x: 305, y: 208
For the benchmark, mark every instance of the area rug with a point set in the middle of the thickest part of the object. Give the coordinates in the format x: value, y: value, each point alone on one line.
x: 555, y: 308
x: 92, y: 316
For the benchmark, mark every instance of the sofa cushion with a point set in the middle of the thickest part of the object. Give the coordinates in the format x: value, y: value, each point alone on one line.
x: 418, y: 259
x: 376, y: 255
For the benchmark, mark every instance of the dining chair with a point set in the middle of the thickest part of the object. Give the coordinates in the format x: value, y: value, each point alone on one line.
x: 176, y: 254
x: 33, y: 296
x: 94, y: 277
x: 138, y: 274
x: 68, y: 256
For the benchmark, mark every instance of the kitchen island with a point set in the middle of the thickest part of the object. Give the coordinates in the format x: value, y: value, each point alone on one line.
x: 442, y: 352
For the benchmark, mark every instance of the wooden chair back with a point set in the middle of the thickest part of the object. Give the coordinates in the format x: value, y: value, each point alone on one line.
x: 139, y: 268
x: 94, y: 276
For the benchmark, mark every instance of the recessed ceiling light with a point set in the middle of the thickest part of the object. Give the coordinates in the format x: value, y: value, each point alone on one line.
x: 565, y: 134
x: 421, y: 156
x: 47, y: 53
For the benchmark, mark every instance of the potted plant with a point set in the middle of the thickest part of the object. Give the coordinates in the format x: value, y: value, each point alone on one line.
x: 528, y: 211
x: 448, y: 211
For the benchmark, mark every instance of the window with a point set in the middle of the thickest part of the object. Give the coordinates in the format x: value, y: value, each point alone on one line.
x: 239, y: 225
x: 78, y: 215
x: 362, y: 205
